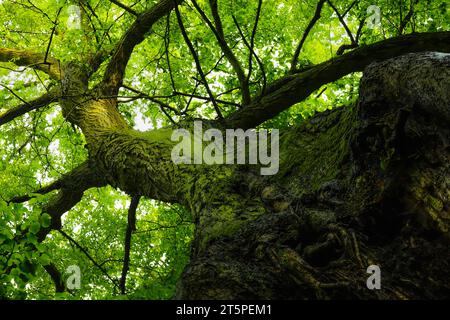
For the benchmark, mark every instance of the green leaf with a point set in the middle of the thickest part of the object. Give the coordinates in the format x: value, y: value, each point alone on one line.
x: 45, y: 220
x: 35, y: 227
x: 44, y: 259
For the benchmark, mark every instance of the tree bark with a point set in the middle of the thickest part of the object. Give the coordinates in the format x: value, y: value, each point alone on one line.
x: 366, y: 184
x: 360, y: 185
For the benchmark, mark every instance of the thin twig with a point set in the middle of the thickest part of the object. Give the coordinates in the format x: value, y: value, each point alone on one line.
x: 407, y: 18
x: 231, y: 57
x: 71, y: 240
x: 197, y: 62
x: 124, y: 7
x: 252, y: 42
x: 308, y: 29
x: 55, y: 24
x: 341, y: 19
x: 260, y: 64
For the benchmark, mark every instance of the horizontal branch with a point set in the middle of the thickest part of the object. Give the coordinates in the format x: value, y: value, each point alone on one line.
x: 196, y: 96
x: 44, y: 190
x: 33, y: 60
x: 26, y: 107
x: 291, y: 89
x: 71, y: 188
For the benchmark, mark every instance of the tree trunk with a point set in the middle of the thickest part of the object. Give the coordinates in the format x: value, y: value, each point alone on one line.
x: 362, y: 185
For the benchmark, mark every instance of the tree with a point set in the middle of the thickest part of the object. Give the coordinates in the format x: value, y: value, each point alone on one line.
x: 363, y: 184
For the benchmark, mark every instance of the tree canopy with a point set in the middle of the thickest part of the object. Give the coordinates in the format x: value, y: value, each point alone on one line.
x: 244, y: 64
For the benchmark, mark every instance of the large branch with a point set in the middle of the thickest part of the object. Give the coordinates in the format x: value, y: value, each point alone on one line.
x: 42, y: 101
x: 33, y: 60
x: 115, y: 70
x: 72, y: 187
x: 291, y: 89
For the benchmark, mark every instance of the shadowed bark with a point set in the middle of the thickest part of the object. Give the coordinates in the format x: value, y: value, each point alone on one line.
x: 360, y: 185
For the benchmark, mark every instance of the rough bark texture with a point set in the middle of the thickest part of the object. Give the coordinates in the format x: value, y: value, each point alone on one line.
x: 361, y: 185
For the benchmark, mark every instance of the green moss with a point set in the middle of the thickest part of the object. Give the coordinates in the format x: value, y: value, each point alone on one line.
x: 315, y: 151
x: 434, y: 203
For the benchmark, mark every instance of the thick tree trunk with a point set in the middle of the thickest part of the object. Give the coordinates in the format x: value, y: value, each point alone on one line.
x: 358, y: 186
x: 361, y: 185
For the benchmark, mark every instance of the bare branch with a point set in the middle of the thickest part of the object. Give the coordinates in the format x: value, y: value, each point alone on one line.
x: 197, y: 63
x: 252, y: 42
x: 115, y: 71
x: 205, y: 98
x: 218, y: 33
x: 55, y: 24
x: 341, y: 19
x: 217, y: 20
x: 47, y: 189
x: 33, y: 60
x: 54, y: 273
x: 26, y: 107
x: 345, y: 47
x: 124, y: 7
x: 71, y: 188
x: 13, y: 93
x: 166, y: 51
x: 153, y: 99
x: 131, y: 227
x: 252, y: 52
x: 350, y: 8
x: 86, y: 253
x: 407, y: 18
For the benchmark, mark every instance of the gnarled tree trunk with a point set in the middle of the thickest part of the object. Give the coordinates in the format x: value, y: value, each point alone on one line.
x: 361, y: 185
